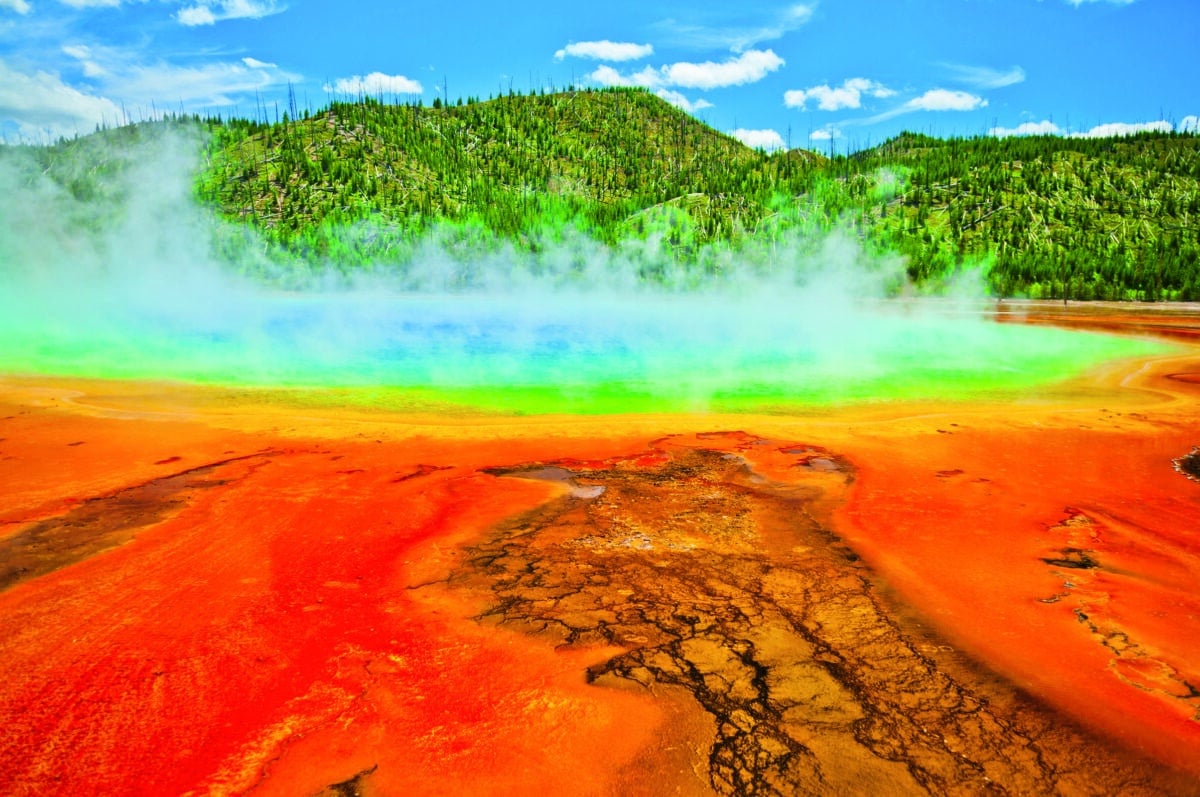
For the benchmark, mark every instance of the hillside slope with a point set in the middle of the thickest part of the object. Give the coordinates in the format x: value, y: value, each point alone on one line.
x: 1111, y: 218
x: 360, y: 183
x: 512, y: 162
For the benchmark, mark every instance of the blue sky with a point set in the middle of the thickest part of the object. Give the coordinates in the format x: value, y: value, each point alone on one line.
x: 820, y: 73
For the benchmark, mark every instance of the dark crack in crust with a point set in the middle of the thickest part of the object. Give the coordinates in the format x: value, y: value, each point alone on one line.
x: 103, y: 522
x: 1132, y: 661
x: 351, y: 787
x: 719, y: 581
x: 1189, y: 464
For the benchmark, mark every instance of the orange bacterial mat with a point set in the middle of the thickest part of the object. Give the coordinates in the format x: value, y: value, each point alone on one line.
x: 202, y: 592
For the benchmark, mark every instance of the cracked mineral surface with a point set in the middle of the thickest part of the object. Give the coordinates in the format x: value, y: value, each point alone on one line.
x: 722, y: 582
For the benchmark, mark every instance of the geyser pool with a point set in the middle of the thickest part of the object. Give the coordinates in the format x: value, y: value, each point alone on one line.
x: 583, y: 352
x: 135, y: 286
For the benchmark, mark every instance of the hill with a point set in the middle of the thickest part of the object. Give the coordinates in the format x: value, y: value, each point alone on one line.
x: 1113, y: 218
x: 600, y: 155
x: 361, y: 182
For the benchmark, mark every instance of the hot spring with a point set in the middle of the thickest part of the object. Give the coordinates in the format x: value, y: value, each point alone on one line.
x: 133, y: 289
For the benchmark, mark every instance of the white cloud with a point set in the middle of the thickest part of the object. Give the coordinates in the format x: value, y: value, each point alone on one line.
x: 759, y: 139
x: 121, y: 86
x: 789, y: 20
x: 141, y: 86
x: 985, y: 77
x: 748, y: 67
x: 42, y: 105
x: 83, y: 55
x: 607, y: 76
x: 848, y: 95
x: 374, y: 85
x: 20, y: 6
x: 605, y: 50
x: 194, y: 16
x: 945, y: 100
x: 1043, y: 128
x: 682, y: 102
x: 1108, y: 130
x: 91, y: 3
x: 728, y: 35
x: 208, y: 12
x: 932, y: 100
x: 1124, y: 129
x: 121, y: 73
x: 213, y: 84
x: 1078, y: 3
x: 825, y: 134
x: 646, y: 78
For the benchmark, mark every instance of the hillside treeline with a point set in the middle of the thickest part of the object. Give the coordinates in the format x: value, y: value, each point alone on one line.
x: 1114, y: 218
x: 363, y: 183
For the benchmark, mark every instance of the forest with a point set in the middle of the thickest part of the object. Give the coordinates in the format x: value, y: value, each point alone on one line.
x: 361, y: 184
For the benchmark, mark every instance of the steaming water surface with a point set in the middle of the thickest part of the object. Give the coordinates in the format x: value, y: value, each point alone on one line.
x: 560, y: 351
x: 133, y: 287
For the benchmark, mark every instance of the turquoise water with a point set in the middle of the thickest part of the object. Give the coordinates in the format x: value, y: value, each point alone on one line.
x: 136, y: 287
x: 561, y: 352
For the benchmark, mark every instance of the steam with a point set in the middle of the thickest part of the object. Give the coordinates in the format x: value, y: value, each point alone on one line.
x: 128, y: 283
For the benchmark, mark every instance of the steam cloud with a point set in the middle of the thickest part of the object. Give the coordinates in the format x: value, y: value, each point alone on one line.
x: 128, y: 284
